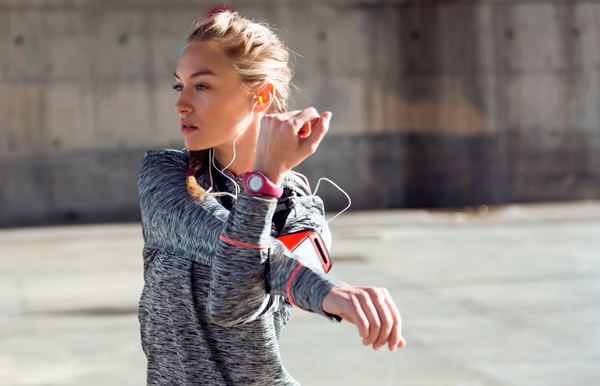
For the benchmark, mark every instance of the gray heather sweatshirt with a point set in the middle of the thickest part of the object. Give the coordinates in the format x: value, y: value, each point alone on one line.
x: 218, y: 284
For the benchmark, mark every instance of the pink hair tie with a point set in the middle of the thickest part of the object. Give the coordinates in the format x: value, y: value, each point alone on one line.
x: 191, y: 171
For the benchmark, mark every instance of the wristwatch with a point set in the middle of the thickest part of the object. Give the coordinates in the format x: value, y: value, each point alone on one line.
x: 258, y: 184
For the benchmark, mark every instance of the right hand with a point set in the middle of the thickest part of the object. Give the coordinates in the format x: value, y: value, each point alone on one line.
x: 287, y: 139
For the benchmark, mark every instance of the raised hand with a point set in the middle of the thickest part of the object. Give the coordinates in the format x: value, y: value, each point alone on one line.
x: 287, y: 139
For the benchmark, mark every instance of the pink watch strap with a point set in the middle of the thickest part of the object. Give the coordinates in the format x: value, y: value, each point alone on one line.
x: 258, y: 184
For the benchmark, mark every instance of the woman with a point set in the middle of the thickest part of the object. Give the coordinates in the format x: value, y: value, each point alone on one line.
x: 218, y: 284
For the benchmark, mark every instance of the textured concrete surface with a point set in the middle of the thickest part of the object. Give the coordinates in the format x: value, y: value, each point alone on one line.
x: 489, y: 296
x: 436, y: 103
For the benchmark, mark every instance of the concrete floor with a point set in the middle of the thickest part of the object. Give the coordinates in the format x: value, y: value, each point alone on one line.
x: 489, y: 296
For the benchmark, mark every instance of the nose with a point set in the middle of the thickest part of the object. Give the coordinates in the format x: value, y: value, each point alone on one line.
x: 182, y: 106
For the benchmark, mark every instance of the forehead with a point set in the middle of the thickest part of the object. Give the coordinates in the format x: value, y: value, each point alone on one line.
x: 203, y: 57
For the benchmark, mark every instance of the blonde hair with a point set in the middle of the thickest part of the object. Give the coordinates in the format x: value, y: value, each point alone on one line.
x: 257, y: 55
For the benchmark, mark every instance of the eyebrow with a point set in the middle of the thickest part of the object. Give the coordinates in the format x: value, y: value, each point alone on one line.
x: 197, y: 74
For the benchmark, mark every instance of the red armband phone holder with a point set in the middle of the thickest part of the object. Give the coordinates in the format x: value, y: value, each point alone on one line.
x: 309, y: 247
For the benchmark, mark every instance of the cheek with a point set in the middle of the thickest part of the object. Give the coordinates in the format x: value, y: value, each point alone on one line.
x: 226, y: 118
x: 216, y: 113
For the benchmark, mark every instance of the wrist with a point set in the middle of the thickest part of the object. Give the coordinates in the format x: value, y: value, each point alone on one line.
x: 275, y: 178
x: 258, y: 184
x: 274, y: 175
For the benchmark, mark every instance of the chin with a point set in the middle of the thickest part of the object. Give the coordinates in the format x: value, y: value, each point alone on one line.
x: 194, y: 146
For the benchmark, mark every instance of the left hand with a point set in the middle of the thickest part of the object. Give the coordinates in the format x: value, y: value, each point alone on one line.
x: 373, y: 312
x: 287, y: 139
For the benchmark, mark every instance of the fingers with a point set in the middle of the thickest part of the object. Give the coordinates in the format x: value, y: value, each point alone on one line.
x: 370, y: 325
x: 373, y: 312
x: 396, y: 340
x: 381, y: 322
x: 304, y: 116
x: 305, y: 122
x: 360, y: 319
x: 296, y: 118
x: 386, y: 320
x: 313, y: 137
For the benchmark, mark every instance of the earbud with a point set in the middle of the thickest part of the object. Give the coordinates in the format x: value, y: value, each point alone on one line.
x: 259, y: 99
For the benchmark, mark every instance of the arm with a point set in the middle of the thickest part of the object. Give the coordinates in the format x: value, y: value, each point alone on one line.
x: 236, y: 246
x: 371, y: 309
x: 205, y: 232
x: 249, y: 263
x: 306, y: 286
x: 238, y: 286
x: 250, y: 266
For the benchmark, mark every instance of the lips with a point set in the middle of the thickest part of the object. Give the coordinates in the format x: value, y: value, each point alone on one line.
x: 187, y: 127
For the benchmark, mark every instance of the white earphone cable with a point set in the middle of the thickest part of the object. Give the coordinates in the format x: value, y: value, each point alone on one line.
x: 340, y: 189
x: 222, y: 171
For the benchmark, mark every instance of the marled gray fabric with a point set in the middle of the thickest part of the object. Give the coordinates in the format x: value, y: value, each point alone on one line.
x: 211, y: 312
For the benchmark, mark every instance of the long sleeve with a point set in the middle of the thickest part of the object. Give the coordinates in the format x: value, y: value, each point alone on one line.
x: 300, y: 211
x: 250, y: 266
x: 238, y: 285
x: 247, y: 266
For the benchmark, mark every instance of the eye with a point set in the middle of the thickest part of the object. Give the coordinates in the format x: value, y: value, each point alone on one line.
x: 201, y: 87
x: 177, y: 87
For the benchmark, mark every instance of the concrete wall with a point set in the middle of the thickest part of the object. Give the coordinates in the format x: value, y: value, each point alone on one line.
x: 440, y: 103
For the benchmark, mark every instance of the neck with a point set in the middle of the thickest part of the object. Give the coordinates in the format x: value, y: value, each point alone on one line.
x: 242, y: 164
x: 245, y: 152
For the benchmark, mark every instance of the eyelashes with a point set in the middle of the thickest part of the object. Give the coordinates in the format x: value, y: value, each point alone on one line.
x: 179, y: 87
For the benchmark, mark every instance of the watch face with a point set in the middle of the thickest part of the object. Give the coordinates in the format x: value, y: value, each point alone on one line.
x: 255, y: 183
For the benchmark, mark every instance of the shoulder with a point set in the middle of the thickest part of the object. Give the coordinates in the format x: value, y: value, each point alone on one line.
x: 162, y: 168
x: 154, y: 158
x: 297, y: 195
x: 299, y: 210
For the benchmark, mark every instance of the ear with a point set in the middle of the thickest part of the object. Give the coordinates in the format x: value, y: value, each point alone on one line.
x: 264, y: 97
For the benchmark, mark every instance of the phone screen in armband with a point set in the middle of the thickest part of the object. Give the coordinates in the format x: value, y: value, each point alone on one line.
x: 309, y: 248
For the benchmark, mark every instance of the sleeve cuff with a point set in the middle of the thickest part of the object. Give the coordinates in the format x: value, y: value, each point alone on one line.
x: 319, y: 284
x: 250, y: 220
